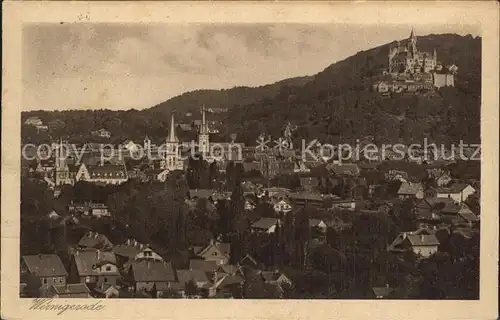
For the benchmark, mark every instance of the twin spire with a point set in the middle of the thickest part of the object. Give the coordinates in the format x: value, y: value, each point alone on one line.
x: 172, y: 137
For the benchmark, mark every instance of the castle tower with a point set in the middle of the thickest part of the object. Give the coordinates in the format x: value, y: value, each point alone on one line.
x: 203, y: 136
x: 172, y: 148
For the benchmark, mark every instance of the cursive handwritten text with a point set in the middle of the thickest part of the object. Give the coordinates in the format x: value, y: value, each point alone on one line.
x: 49, y: 305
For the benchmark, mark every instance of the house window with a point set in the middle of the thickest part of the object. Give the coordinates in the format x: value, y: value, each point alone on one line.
x: 87, y: 279
x: 214, y: 253
x: 108, y: 268
x: 105, y: 279
x: 44, y: 281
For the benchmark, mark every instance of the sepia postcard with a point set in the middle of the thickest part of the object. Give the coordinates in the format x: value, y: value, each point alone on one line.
x: 270, y: 160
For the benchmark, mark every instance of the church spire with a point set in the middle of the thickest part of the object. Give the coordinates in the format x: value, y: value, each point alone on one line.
x: 203, y: 128
x: 60, y: 154
x: 412, y: 34
x: 171, y: 135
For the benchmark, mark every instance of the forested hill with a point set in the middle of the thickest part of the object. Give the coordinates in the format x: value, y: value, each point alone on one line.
x: 334, y: 105
x: 338, y: 105
x: 225, y: 98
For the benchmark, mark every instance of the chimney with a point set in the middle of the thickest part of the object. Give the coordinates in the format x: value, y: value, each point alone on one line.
x: 135, y: 243
x: 404, y: 235
x: 212, y: 241
x: 387, y: 285
x: 215, y: 277
x: 129, y: 242
x: 98, y: 253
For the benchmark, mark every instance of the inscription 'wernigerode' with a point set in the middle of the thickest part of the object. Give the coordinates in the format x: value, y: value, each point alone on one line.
x: 49, y: 305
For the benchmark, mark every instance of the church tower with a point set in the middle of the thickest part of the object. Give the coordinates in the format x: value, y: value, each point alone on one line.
x: 62, y: 175
x: 172, y: 149
x: 412, y: 43
x: 203, y: 136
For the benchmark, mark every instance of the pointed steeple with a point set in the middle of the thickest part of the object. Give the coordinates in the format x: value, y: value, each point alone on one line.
x: 203, y: 128
x: 412, y: 34
x: 171, y: 135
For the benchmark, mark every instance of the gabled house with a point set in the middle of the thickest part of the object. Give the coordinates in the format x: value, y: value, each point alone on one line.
x: 107, y: 291
x: 95, y: 240
x: 276, y: 277
x: 41, y: 270
x: 94, y: 268
x: 150, y: 276
x: 281, y: 205
x: 132, y: 250
x: 72, y: 290
x: 459, y: 192
x: 216, y: 251
x: 428, y: 212
x: 230, y: 285
x: 302, y: 199
x: 318, y: 224
x: 200, y: 278
x: 228, y: 269
x: 265, y: 225
x: 248, y: 261
x: 203, y: 265
x: 276, y: 192
x: 466, y: 217
x: 422, y: 242
x: 412, y: 190
x: 102, y: 173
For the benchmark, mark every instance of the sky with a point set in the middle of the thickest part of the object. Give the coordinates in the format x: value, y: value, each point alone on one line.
x: 124, y: 66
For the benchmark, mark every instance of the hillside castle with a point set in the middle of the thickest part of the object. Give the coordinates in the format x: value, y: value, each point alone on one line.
x: 411, y: 70
x: 408, y: 59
